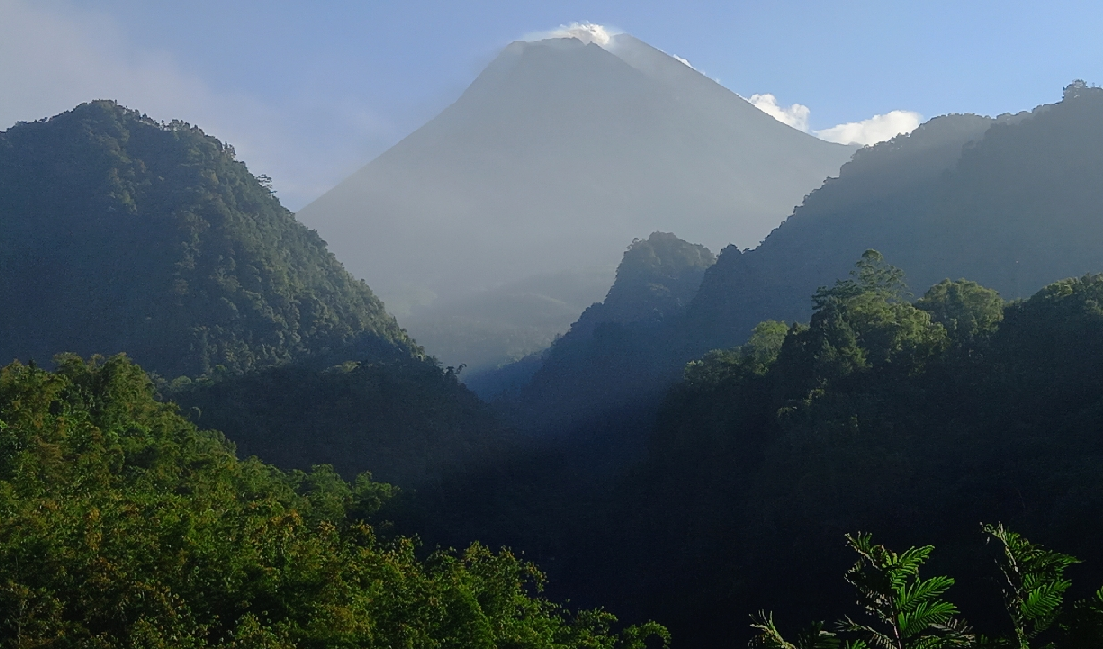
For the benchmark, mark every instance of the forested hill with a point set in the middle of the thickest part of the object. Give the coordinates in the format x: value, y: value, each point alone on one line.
x: 913, y: 421
x: 656, y: 279
x: 119, y: 233
x: 1016, y: 208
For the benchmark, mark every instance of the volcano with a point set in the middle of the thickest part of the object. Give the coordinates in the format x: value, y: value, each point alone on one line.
x: 556, y: 157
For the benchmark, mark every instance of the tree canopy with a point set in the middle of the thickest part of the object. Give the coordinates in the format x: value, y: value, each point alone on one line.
x: 125, y: 526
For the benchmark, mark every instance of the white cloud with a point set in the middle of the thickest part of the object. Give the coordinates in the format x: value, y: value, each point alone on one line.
x: 795, y: 115
x: 585, y: 32
x: 873, y: 130
x: 52, y: 60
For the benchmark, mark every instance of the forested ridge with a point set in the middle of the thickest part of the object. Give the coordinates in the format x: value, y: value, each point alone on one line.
x: 655, y: 280
x: 122, y: 234
x: 1010, y: 202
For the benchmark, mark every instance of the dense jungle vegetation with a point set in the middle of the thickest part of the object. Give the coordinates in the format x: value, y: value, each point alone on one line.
x: 126, y: 526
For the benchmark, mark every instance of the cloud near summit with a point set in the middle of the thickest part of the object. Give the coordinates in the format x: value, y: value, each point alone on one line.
x: 871, y: 131
x: 585, y: 32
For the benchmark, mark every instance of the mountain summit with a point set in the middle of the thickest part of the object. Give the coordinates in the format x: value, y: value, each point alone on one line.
x: 558, y: 153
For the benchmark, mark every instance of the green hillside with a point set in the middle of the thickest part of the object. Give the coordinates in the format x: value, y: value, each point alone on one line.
x: 1013, y: 203
x: 118, y: 233
x: 403, y: 419
x: 126, y: 527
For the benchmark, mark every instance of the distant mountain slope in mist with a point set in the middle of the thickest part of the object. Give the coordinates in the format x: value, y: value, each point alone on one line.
x: 121, y: 234
x: 609, y: 358
x: 554, y: 157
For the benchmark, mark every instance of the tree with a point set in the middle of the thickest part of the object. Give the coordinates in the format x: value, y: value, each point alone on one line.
x: 907, y: 612
x: 967, y: 310
x: 1034, y: 587
x: 862, y: 323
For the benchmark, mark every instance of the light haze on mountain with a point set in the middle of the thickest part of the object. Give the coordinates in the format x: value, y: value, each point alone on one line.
x: 556, y: 157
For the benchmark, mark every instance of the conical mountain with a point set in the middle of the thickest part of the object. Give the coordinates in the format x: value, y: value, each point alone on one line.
x: 558, y: 153
x: 122, y: 234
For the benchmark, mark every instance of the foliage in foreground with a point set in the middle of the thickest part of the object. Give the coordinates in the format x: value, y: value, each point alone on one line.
x: 125, y: 526
x: 903, y: 611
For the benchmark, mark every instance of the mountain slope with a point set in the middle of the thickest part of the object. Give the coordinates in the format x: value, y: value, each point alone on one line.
x: 602, y: 372
x: 118, y: 233
x: 1016, y: 208
x: 874, y: 203
x: 759, y: 463
x: 557, y: 154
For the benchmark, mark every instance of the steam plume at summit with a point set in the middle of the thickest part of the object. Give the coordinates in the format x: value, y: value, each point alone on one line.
x: 585, y: 32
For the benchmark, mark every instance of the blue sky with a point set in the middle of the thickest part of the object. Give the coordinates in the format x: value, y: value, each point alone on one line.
x: 308, y: 92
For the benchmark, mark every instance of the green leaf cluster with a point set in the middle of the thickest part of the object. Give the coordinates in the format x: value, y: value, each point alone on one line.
x: 909, y: 613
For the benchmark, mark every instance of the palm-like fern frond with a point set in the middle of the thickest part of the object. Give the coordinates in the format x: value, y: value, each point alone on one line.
x: 1035, y: 583
x: 908, y: 612
x: 815, y: 637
